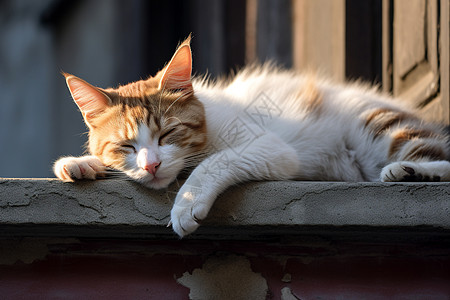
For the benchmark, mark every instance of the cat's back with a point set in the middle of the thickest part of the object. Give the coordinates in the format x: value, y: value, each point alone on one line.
x: 297, y: 95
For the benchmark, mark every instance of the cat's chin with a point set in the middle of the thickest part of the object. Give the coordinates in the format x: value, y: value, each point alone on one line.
x: 156, y: 183
x: 149, y: 181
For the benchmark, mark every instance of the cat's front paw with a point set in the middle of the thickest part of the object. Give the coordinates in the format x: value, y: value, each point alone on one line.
x: 183, y: 222
x: 70, y: 169
x: 187, y: 214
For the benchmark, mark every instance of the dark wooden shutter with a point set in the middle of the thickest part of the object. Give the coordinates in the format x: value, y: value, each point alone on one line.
x: 415, y: 54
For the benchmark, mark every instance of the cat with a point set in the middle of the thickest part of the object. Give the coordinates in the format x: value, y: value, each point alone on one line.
x: 265, y: 123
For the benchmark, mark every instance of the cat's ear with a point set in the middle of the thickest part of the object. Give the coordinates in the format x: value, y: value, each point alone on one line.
x: 177, y: 74
x: 91, y: 100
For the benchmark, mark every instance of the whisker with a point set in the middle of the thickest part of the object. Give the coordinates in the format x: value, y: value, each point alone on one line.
x: 114, y: 174
x: 198, y: 156
x: 124, y: 178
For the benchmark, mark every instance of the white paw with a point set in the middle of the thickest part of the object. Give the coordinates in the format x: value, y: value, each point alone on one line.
x: 183, y: 223
x: 187, y: 214
x: 72, y: 168
x: 408, y: 171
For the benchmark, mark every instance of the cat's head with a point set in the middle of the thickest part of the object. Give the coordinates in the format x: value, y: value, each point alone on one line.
x: 149, y: 129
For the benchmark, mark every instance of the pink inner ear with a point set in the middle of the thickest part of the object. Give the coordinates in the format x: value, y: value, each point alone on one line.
x: 89, y: 99
x: 177, y: 74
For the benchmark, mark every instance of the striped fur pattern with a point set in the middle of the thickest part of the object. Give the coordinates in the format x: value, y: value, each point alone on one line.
x: 263, y: 124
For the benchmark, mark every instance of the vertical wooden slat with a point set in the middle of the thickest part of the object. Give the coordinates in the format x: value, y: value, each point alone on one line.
x: 438, y: 109
x: 298, y: 33
x: 387, y: 45
x: 338, y: 38
x: 322, y: 36
x: 250, y: 31
x: 409, y: 36
x: 445, y: 59
x: 415, y: 55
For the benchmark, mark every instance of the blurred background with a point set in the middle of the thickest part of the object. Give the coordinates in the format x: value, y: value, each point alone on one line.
x: 112, y: 42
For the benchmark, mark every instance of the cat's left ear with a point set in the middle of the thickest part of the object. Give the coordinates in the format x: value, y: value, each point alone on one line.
x: 177, y: 74
x: 91, y: 100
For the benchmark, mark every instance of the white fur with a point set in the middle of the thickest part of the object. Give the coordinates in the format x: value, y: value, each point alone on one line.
x: 286, y: 144
x: 332, y: 147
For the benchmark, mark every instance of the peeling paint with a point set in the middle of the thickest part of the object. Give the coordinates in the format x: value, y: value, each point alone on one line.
x: 225, y: 277
x: 48, y: 268
x: 286, y: 294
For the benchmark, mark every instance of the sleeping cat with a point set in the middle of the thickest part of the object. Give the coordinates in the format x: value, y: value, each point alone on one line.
x: 264, y: 124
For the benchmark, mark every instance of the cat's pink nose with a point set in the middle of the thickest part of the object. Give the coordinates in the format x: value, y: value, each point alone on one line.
x: 152, y: 167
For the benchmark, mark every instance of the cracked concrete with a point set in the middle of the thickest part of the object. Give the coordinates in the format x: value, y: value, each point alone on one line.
x: 109, y: 203
x: 337, y: 204
x: 47, y: 201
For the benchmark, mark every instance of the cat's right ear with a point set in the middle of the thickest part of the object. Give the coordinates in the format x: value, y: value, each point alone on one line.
x: 91, y: 100
x: 177, y: 74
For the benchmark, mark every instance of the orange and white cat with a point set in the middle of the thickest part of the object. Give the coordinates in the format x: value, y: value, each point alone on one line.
x: 263, y: 124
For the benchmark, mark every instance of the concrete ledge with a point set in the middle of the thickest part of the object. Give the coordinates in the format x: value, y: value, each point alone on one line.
x: 112, y: 208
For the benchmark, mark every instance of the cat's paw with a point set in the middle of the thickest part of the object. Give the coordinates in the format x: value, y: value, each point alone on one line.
x: 187, y: 214
x: 407, y: 171
x: 70, y: 169
x: 183, y: 222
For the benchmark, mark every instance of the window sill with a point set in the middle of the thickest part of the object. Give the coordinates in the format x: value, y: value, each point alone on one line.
x: 121, y: 209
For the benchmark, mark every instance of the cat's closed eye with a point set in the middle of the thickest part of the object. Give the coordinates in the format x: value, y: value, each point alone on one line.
x: 164, y: 136
x: 128, y: 147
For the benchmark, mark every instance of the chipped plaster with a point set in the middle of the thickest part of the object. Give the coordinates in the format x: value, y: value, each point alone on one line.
x: 224, y: 278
